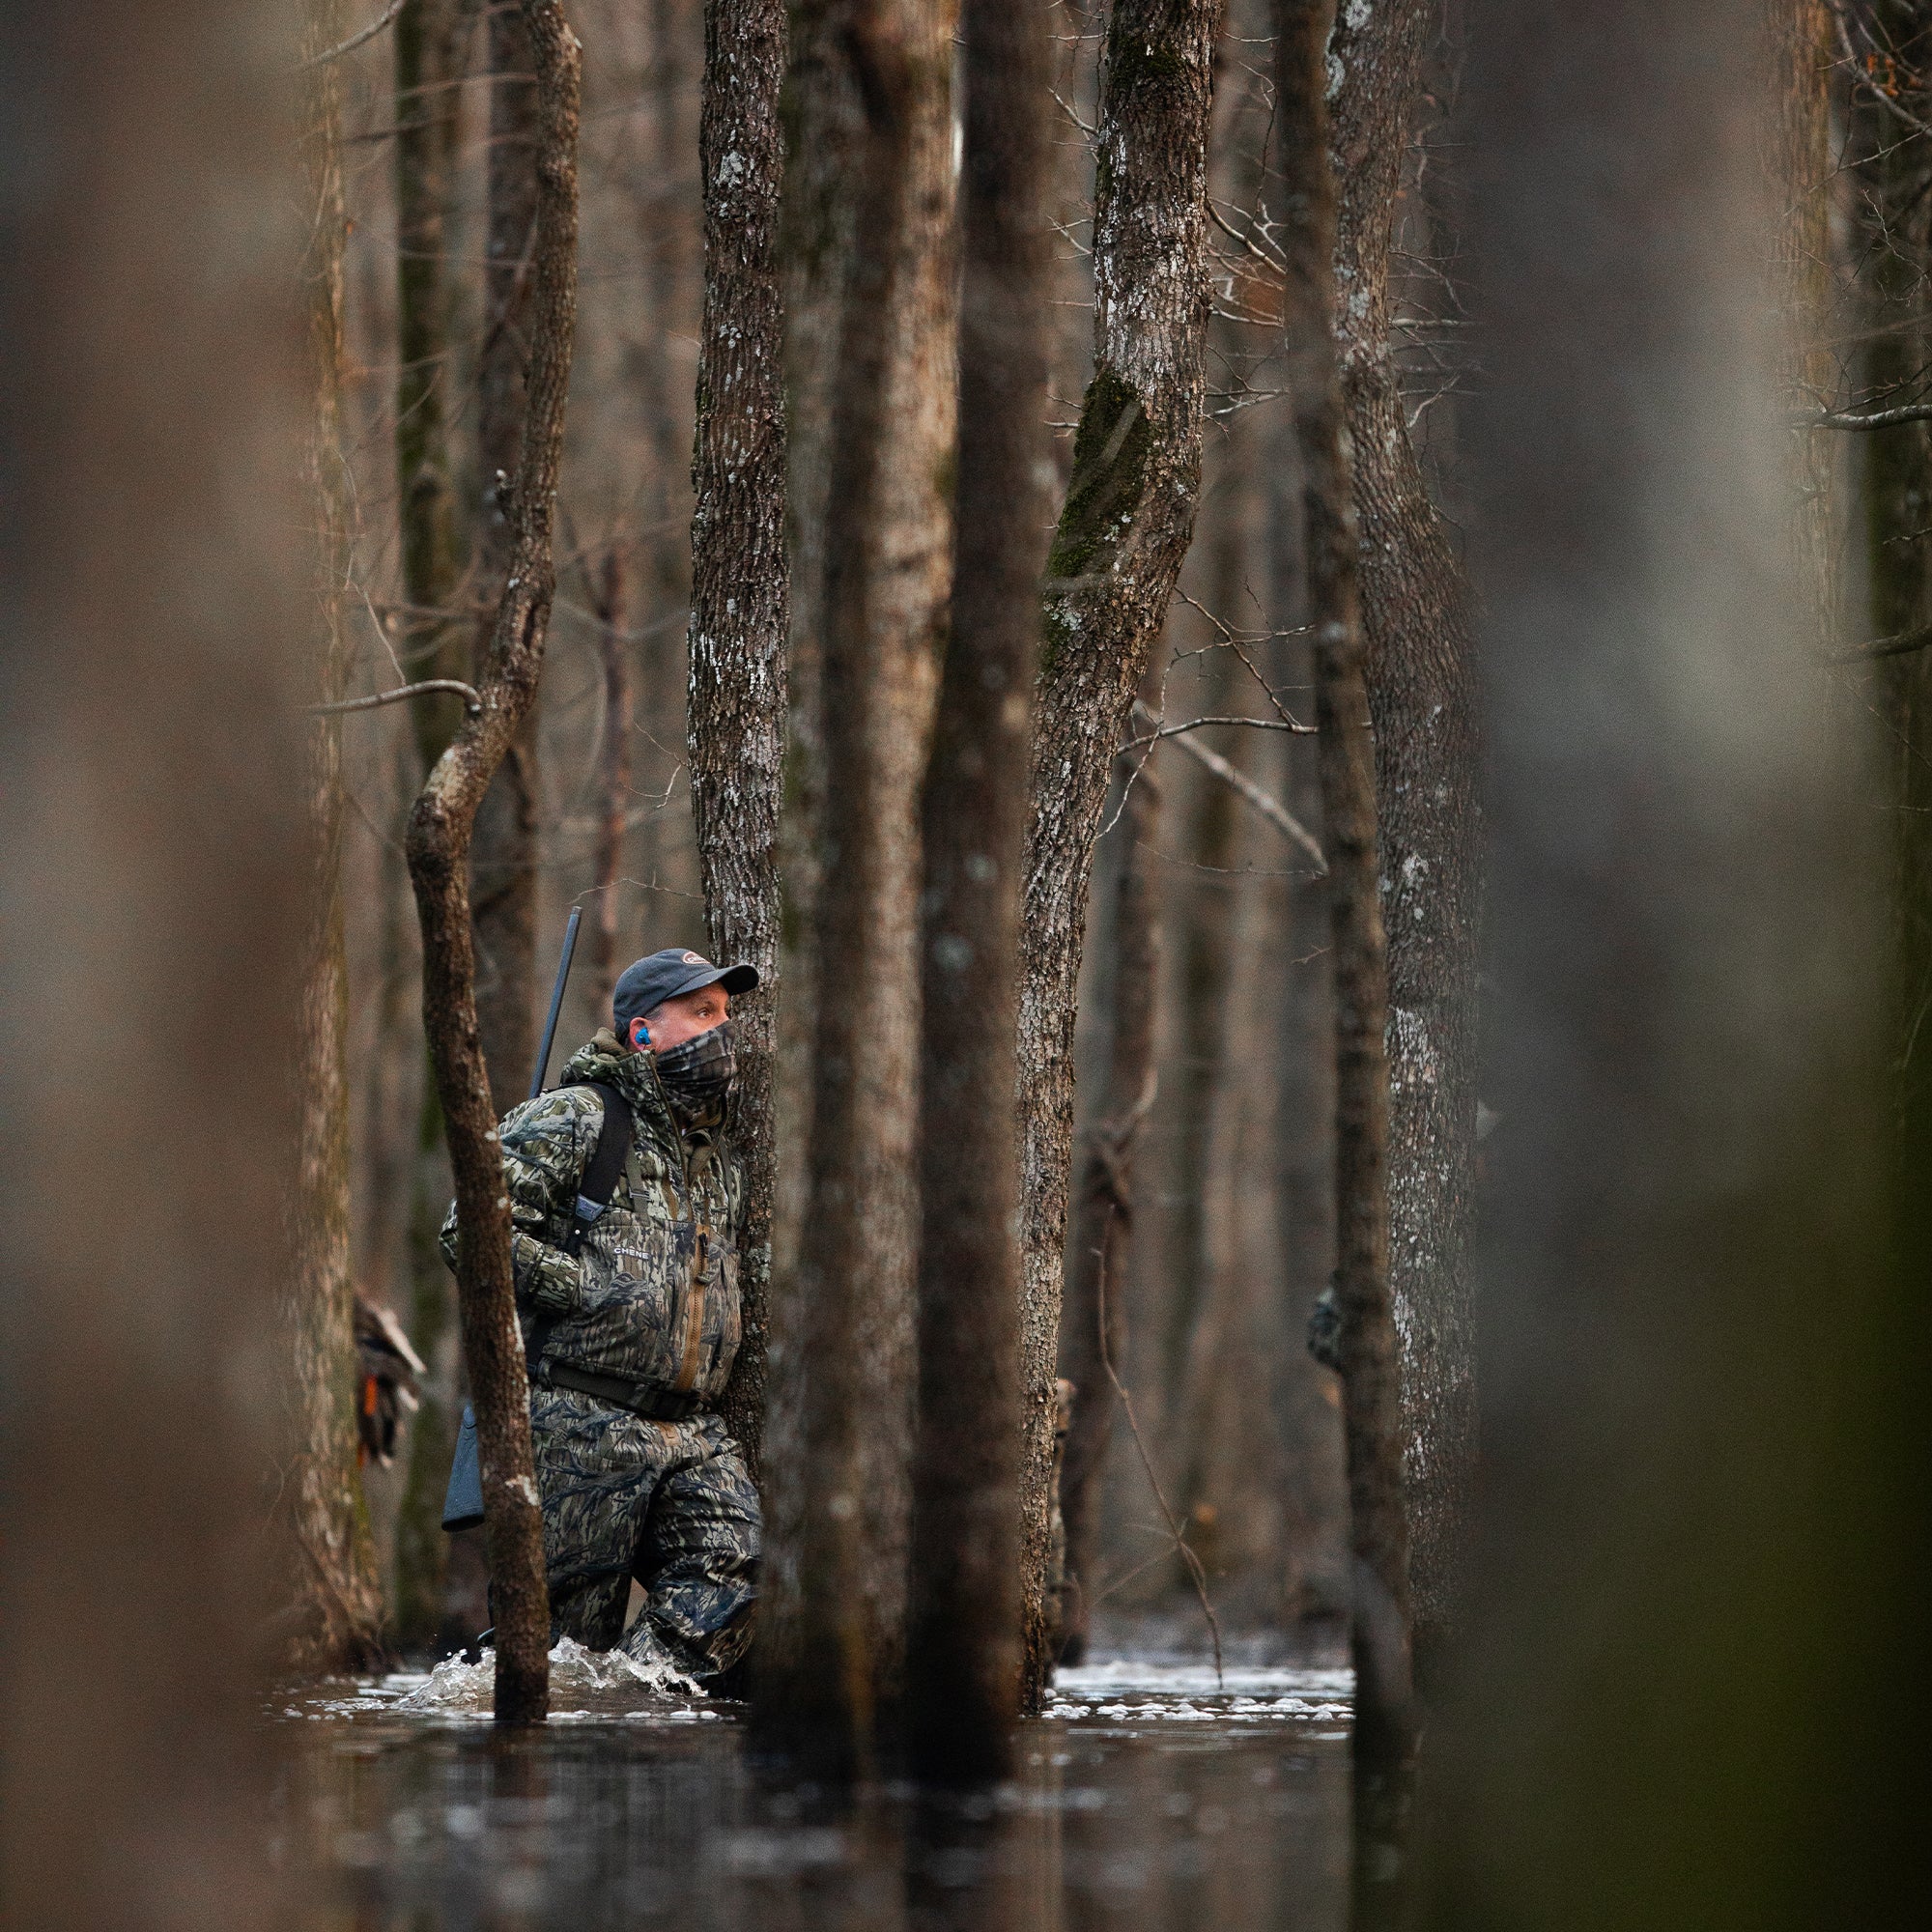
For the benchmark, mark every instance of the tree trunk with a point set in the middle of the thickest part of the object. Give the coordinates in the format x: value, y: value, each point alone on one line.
x: 1094, y: 1330
x: 1422, y: 696
x: 503, y: 857
x: 962, y: 1665
x: 1116, y: 556
x: 739, y: 605
x: 155, y: 873
x: 614, y: 780
x: 1689, y: 1165
x: 439, y: 849
x: 337, y: 1596
x: 1371, y: 1391
x: 432, y: 41
x: 1799, y: 156
x: 833, y: 1614
x: 822, y: 116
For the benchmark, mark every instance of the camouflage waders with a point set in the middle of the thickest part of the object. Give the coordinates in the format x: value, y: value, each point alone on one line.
x: 667, y: 1502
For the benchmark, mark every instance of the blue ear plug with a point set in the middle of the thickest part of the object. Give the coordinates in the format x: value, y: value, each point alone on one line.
x: 641, y: 1035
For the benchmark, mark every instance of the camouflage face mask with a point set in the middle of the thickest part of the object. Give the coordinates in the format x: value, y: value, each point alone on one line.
x: 697, y: 1073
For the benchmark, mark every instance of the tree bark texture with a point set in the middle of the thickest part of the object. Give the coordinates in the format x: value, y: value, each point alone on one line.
x: 740, y: 605
x: 1422, y: 696
x: 158, y: 648
x: 1686, y: 1069
x: 1115, y: 555
x: 831, y: 1641
x: 1371, y: 1387
x: 1799, y: 145
x: 438, y: 850
x: 962, y: 1665
x: 613, y: 778
x: 503, y: 857
x: 821, y: 115
x: 430, y: 40
x: 335, y: 1591
x: 1093, y: 1327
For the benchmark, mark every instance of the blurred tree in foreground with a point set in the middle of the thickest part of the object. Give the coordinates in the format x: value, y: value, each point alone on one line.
x: 155, y: 876
x: 1692, y: 1683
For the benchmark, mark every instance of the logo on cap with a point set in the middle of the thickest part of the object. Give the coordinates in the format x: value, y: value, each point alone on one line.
x: 692, y: 959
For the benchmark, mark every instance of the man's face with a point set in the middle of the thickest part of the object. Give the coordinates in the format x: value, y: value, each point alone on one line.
x: 686, y: 1016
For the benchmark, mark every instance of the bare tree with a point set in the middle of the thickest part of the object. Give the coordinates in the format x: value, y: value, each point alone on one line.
x: 962, y: 1666
x: 503, y: 859
x: 430, y: 40
x: 1371, y: 1390
x: 1422, y: 694
x: 833, y: 1610
x: 613, y: 773
x: 335, y: 1593
x: 439, y: 832
x: 740, y: 602
x: 1798, y: 131
x: 1115, y: 555
x: 1092, y: 1327
x: 160, y: 647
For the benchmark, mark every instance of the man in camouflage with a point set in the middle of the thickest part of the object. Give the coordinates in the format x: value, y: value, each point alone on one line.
x: 631, y: 1340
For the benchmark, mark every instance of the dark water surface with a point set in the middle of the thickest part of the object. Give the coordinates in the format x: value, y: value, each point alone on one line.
x: 1147, y: 1799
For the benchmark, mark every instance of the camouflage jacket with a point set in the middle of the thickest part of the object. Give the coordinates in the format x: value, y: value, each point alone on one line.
x: 652, y: 1295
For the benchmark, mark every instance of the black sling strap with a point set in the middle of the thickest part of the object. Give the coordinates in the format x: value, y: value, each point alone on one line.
x: 607, y: 1163
x: 594, y: 1190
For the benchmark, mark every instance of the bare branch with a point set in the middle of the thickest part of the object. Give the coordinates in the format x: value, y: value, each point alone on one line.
x: 471, y: 702
x: 1908, y: 413
x: 353, y: 41
x: 1196, y: 723
x: 1244, y: 788
x: 1896, y: 646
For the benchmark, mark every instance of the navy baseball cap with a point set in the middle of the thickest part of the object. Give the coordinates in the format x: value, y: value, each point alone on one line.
x: 644, y: 987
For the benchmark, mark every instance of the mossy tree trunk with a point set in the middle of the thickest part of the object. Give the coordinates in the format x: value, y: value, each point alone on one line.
x: 1116, y: 556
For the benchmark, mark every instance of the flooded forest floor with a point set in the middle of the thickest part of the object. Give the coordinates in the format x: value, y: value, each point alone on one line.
x: 1149, y: 1797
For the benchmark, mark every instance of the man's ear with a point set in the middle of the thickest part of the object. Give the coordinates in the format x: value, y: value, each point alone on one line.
x: 641, y: 1035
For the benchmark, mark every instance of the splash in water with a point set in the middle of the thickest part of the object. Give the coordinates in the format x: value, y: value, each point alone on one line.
x: 455, y: 1689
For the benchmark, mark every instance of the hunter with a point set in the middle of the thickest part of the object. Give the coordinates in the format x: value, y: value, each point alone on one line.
x: 630, y: 1319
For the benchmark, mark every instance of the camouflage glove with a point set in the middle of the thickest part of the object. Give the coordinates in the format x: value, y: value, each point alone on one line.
x: 547, y: 1278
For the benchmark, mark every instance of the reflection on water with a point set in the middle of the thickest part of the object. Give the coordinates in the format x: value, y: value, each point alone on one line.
x: 1149, y: 1798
